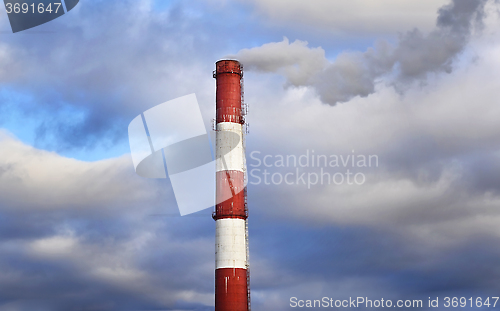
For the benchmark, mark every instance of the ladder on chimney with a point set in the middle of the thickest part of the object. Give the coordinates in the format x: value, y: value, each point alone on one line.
x: 248, y: 253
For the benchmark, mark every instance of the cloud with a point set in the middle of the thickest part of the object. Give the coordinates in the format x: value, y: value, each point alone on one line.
x: 93, y: 235
x: 77, y: 233
x: 432, y: 199
x: 55, y: 182
x: 105, y: 62
x: 352, y: 74
x: 437, y: 147
x: 356, y: 17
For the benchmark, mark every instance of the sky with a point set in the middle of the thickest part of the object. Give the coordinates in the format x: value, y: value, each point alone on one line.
x: 412, y: 85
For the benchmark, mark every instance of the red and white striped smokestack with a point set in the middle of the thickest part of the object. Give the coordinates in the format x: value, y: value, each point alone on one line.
x: 231, y: 255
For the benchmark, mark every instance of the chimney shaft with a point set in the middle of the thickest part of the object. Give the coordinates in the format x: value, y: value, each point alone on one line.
x: 231, y: 263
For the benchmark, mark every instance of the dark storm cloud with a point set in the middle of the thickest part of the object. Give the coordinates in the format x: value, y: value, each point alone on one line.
x: 56, y: 285
x: 459, y: 268
x: 174, y: 255
x: 68, y: 245
x: 81, y: 241
x: 355, y: 73
x: 409, y: 266
x: 15, y: 226
x: 168, y: 263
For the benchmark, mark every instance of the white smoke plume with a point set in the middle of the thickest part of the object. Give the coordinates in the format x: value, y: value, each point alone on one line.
x: 355, y: 73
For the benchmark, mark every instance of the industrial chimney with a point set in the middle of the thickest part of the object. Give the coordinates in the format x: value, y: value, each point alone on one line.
x: 232, y: 290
